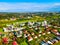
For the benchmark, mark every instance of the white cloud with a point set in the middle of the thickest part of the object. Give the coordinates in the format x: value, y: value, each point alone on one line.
x: 27, y: 6
x: 57, y: 4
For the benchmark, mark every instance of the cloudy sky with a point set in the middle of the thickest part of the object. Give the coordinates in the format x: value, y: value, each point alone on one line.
x: 29, y: 5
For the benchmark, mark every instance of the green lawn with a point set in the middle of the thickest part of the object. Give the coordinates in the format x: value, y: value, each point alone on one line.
x: 24, y: 43
x: 1, y: 30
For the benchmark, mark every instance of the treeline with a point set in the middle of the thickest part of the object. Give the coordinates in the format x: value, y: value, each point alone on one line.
x: 7, y: 15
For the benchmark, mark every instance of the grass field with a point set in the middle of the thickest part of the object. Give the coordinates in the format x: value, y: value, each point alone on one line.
x: 1, y: 30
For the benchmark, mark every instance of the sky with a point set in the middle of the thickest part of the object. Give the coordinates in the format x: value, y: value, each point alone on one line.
x: 29, y: 5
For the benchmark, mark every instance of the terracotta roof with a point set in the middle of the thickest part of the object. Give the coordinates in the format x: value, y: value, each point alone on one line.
x: 54, y: 30
x: 5, y: 40
x: 14, y: 43
x: 29, y: 37
x: 48, y: 29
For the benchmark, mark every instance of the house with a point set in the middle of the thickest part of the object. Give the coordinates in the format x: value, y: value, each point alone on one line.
x: 25, y: 31
x: 38, y: 23
x: 39, y: 35
x: 49, y: 42
x: 11, y: 34
x: 32, y: 33
x: 35, y: 36
x: 46, y: 26
x: 14, y: 43
x: 21, y: 28
x: 5, y: 40
x: 58, y: 38
x: 36, y: 28
x: 48, y: 29
x: 15, y: 33
x: 30, y: 23
x: 30, y: 38
x: 44, y: 43
x: 54, y: 41
x: 23, y: 24
x: 29, y: 17
x: 12, y: 19
x: 26, y: 35
x: 48, y: 32
x: 43, y: 33
x: 55, y: 32
x: 9, y: 28
x: 19, y: 34
x: 44, y: 23
x: 5, y: 30
x: 40, y: 31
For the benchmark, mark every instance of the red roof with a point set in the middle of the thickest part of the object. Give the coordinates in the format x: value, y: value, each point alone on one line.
x: 55, y: 30
x: 48, y: 29
x: 5, y: 40
x: 29, y: 37
x: 14, y: 43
